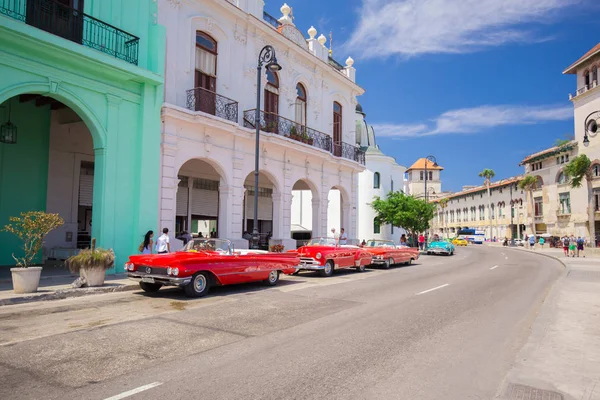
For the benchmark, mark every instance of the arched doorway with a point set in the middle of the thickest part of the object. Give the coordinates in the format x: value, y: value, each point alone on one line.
x: 304, y: 212
x: 197, y: 205
x: 49, y: 166
x: 266, y: 209
x: 338, y: 215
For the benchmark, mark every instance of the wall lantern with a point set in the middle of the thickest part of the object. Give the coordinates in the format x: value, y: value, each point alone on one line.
x: 8, y: 130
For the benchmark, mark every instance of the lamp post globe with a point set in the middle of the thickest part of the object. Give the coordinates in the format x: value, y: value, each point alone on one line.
x: 268, y: 59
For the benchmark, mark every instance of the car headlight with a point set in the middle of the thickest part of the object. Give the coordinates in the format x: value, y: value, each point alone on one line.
x: 175, y: 271
x: 318, y: 256
x: 129, y: 266
x: 169, y: 271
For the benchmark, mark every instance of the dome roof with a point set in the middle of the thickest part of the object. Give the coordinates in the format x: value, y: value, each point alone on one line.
x: 359, y: 108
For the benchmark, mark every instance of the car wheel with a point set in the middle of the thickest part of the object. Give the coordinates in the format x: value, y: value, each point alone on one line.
x: 328, y: 270
x: 388, y: 263
x: 361, y: 268
x: 452, y: 253
x: 410, y: 261
x: 150, y: 287
x: 273, y: 278
x: 199, y: 285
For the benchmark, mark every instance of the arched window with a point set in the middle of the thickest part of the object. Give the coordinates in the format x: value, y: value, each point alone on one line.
x: 300, y: 104
x: 376, y: 227
x: 561, y: 178
x: 272, y: 92
x: 595, y: 74
x: 337, y: 129
x: 586, y: 78
x: 376, y: 180
x: 596, y: 170
x: 206, y: 73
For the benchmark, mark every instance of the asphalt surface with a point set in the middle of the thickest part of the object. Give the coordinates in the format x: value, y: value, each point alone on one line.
x: 445, y: 328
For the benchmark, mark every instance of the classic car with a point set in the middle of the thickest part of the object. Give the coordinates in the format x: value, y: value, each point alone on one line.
x: 387, y: 253
x: 203, y: 263
x: 460, y: 242
x: 326, y: 255
x: 440, y: 247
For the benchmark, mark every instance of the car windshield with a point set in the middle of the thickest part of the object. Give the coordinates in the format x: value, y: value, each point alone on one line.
x: 219, y: 245
x: 322, y: 241
x: 380, y: 243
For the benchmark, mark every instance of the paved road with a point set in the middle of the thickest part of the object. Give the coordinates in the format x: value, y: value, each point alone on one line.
x: 447, y: 328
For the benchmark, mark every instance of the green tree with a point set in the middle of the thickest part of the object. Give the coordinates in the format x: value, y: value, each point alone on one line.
x: 562, y: 142
x: 529, y: 183
x: 577, y: 170
x: 404, y: 211
x: 443, y: 204
x: 488, y: 174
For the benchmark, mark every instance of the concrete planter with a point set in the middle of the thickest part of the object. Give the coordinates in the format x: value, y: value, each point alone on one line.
x: 26, y: 280
x: 93, y: 276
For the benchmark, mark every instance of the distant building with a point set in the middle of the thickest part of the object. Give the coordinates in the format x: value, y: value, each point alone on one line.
x: 421, y: 171
x: 471, y: 209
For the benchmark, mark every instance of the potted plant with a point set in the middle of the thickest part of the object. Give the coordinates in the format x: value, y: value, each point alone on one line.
x: 277, y: 248
x: 31, y: 227
x: 92, y: 264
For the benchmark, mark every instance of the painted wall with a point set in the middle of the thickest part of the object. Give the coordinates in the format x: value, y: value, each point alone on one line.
x: 23, y: 169
x: 118, y: 102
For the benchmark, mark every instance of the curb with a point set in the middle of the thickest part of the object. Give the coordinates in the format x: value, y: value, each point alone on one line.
x: 542, y: 254
x: 61, y: 277
x: 67, y: 293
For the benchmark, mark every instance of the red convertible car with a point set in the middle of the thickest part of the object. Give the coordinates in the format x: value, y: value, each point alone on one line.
x: 326, y: 255
x: 203, y: 263
x: 386, y: 253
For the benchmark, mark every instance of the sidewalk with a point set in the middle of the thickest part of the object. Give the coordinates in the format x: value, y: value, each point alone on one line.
x: 561, y: 359
x: 59, y: 287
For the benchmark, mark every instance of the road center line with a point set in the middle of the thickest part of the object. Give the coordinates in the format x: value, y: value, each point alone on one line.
x: 431, y: 290
x: 134, y: 391
x: 494, y: 267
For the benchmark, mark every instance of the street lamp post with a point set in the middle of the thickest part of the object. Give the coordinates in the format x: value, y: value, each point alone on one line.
x: 267, y: 58
x: 434, y: 161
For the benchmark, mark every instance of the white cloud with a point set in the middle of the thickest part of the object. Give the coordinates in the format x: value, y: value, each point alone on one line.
x: 414, y: 27
x: 477, y: 119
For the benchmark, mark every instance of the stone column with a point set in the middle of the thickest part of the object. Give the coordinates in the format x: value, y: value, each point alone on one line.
x: 169, y: 184
x: 225, y: 217
x: 316, y: 217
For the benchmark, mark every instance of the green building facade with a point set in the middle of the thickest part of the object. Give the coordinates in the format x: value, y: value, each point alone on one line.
x: 81, y: 81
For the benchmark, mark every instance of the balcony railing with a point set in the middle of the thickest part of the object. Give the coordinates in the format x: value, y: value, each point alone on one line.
x: 271, y: 20
x: 583, y: 89
x: 74, y: 25
x: 278, y: 125
x: 200, y: 99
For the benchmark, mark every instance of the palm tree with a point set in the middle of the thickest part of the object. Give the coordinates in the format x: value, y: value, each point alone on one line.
x: 443, y: 204
x: 487, y: 174
x: 528, y: 183
x: 579, y: 168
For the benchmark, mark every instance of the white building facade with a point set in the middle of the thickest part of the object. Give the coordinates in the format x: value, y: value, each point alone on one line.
x: 381, y: 177
x: 307, y: 138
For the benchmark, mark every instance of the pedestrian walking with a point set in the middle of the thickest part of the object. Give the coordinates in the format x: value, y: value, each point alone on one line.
x: 421, y: 241
x: 146, y: 245
x: 542, y: 241
x: 162, y: 243
x: 565, y: 244
x: 572, y: 245
x: 580, y: 242
x: 532, y: 242
x: 403, y: 238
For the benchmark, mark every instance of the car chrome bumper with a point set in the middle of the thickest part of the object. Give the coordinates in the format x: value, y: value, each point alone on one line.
x: 160, y: 279
x: 379, y: 261
x: 310, y: 265
x: 438, y: 251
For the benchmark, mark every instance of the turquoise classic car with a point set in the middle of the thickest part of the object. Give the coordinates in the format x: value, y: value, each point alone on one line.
x: 440, y: 247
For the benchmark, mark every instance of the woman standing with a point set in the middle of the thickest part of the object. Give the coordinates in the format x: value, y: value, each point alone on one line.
x: 146, y: 246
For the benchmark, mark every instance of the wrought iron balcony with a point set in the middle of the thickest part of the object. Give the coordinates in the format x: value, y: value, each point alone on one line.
x: 200, y: 99
x: 279, y: 125
x: 72, y: 24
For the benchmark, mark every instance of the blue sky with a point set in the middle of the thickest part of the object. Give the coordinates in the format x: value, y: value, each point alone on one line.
x: 476, y: 83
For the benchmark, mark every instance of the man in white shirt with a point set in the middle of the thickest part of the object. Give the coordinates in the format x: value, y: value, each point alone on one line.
x: 162, y: 243
x: 343, y: 237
